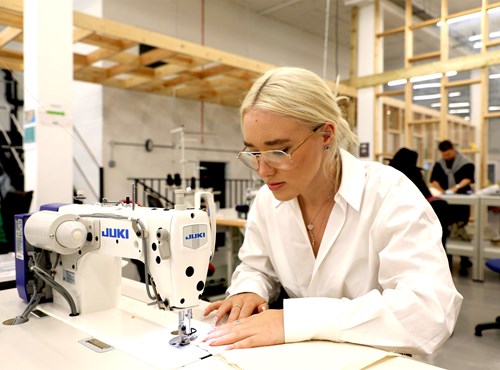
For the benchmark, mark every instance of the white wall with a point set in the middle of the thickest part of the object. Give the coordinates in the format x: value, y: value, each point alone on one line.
x: 135, y: 117
x: 87, y: 123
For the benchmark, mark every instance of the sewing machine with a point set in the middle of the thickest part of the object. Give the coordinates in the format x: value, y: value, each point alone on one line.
x: 72, y: 254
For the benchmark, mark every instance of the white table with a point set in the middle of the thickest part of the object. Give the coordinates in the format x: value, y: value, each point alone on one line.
x: 7, y: 270
x: 141, y: 342
x: 478, y: 248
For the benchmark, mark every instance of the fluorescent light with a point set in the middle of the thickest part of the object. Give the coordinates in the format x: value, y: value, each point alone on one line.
x: 459, y: 111
x: 427, y: 97
x: 396, y: 82
x: 435, y: 105
x: 436, y: 96
x: 459, y: 105
x: 426, y: 77
x: 451, y: 73
x: 467, y: 118
x: 494, y: 10
x: 427, y: 85
x: 494, y: 108
x: 492, y: 35
x: 477, y: 45
x: 494, y: 76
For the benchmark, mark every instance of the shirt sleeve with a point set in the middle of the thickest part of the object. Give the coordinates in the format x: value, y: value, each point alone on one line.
x: 255, y: 273
x: 417, y: 305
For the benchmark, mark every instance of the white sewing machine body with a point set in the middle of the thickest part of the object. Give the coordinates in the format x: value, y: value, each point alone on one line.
x: 87, y: 244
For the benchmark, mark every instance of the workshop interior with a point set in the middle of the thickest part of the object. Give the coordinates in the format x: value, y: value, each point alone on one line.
x: 124, y: 205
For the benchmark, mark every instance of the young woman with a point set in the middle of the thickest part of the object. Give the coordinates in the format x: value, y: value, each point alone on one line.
x: 354, y: 244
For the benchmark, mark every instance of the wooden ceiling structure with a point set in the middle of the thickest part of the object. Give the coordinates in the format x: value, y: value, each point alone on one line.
x: 131, y: 58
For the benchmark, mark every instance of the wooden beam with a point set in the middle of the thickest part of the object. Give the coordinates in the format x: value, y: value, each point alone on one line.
x: 392, y: 31
x: 139, y: 35
x: 429, y: 22
x: 470, y: 81
x: 12, y: 5
x: 424, y: 56
x: 80, y: 34
x: 11, y: 18
x: 391, y: 93
x: 463, y: 63
x: 424, y: 121
x: 8, y: 34
x: 353, y: 66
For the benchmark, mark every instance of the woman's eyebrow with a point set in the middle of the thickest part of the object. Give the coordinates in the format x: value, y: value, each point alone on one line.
x: 269, y: 143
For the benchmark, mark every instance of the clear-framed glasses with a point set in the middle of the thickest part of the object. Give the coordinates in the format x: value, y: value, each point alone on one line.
x: 274, y: 158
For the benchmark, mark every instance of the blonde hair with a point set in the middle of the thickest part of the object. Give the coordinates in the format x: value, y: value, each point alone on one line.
x: 301, y: 94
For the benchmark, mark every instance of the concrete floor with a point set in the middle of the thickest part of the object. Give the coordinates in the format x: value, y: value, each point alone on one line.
x: 481, y: 305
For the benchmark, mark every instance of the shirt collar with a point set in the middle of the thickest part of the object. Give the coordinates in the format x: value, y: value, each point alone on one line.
x: 353, y: 181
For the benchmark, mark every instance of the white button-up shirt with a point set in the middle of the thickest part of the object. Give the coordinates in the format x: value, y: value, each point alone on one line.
x: 381, y: 276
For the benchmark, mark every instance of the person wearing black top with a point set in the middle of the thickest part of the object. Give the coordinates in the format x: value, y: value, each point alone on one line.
x: 453, y: 174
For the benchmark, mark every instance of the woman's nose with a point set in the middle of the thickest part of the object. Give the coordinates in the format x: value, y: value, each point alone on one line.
x: 265, y: 169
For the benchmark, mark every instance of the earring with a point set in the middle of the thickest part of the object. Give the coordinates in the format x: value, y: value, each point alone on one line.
x: 327, y: 147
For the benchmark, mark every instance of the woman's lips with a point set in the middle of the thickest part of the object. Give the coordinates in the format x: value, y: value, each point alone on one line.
x: 273, y: 186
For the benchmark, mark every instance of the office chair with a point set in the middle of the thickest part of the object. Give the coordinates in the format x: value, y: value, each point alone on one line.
x: 14, y: 203
x: 493, y: 264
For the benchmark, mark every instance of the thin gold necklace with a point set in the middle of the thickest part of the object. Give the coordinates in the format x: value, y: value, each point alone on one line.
x: 310, y: 225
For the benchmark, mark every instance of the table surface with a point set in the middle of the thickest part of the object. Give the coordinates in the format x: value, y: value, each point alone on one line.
x: 140, y: 333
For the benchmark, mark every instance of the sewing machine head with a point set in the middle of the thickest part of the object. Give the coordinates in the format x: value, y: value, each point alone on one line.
x: 83, y: 247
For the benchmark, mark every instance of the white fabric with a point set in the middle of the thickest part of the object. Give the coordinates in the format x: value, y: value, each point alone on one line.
x: 381, y: 277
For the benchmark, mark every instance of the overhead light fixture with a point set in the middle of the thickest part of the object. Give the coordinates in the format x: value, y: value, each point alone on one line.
x: 427, y: 97
x: 427, y: 85
x: 492, y: 35
x: 436, y: 96
x: 432, y: 76
x: 494, y: 76
x: 435, y: 105
x: 459, y: 105
x: 396, y: 82
x: 494, y: 108
x: 426, y: 77
x: 459, y: 111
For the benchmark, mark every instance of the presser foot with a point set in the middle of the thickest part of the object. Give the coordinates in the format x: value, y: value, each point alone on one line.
x: 183, y: 340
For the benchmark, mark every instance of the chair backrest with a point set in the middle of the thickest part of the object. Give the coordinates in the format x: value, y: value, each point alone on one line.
x: 14, y: 203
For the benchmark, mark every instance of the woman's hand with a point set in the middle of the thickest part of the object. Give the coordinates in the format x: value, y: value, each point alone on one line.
x: 263, y: 329
x: 237, y: 307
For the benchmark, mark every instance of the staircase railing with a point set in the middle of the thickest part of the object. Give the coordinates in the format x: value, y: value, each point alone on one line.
x: 157, y: 187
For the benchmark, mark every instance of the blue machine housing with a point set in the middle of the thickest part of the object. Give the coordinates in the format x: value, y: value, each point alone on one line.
x: 23, y: 275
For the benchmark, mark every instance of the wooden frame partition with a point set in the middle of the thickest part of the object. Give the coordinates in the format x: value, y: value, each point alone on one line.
x: 418, y: 129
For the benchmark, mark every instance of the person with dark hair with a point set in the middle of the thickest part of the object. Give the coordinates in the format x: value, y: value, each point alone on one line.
x: 405, y: 160
x: 454, y: 174
x: 353, y: 245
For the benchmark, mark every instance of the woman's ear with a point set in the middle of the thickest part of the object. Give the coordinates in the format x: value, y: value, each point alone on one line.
x: 328, y: 133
